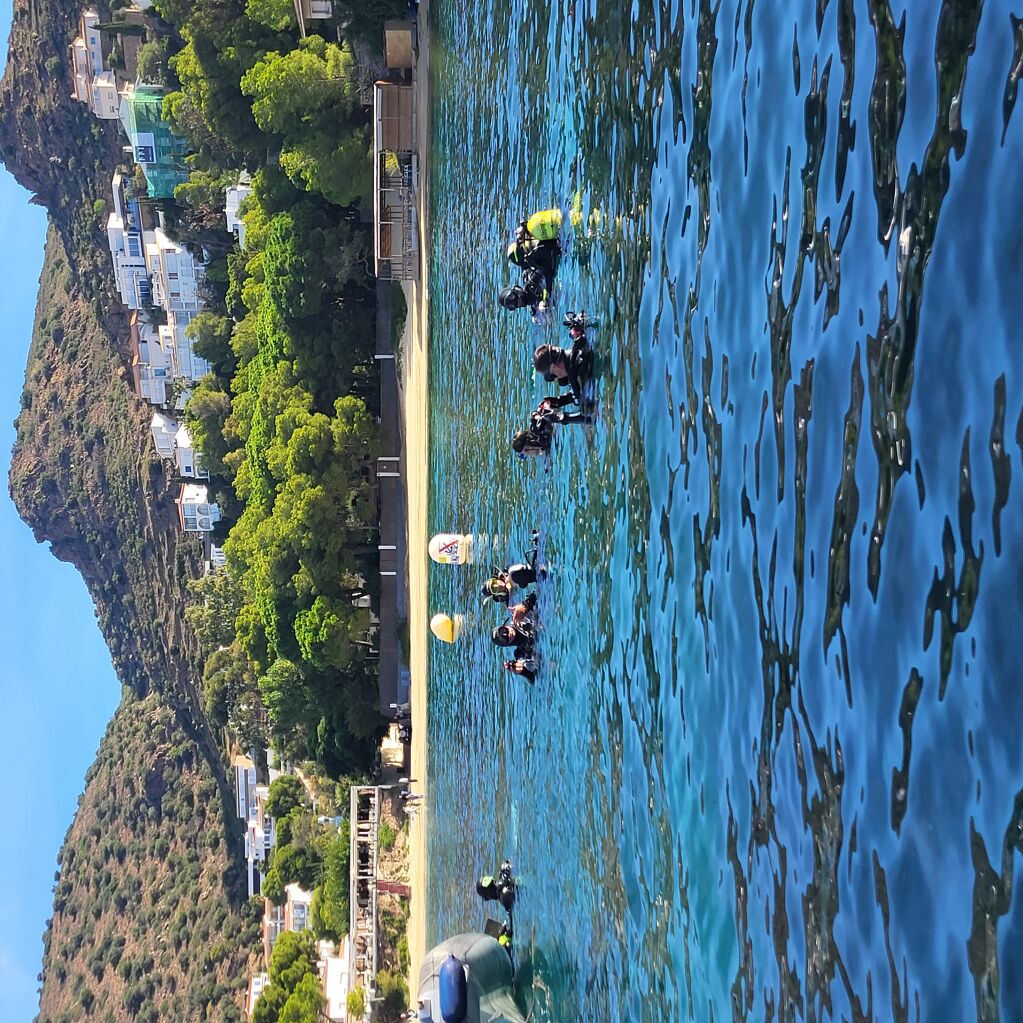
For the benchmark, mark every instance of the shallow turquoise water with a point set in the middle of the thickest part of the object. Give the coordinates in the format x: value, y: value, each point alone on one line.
x: 771, y: 768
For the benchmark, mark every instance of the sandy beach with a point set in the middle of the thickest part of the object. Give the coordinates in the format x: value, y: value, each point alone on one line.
x: 414, y: 380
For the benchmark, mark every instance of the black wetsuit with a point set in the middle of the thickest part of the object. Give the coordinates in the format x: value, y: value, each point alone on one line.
x: 520, y: 575
x: 580, y: 367
x: 532, y: 291
x: 578, y: 363
x: 540, y: 255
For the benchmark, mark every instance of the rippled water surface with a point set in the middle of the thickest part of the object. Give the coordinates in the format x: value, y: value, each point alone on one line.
x: 772, y: 768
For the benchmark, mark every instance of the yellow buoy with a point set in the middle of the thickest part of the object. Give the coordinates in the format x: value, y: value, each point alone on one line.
x: 445, y: 628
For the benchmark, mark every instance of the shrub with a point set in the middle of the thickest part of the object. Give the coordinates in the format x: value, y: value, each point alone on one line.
x: 357, y: 1003
x: 393, y: 994
x: 386, y: 836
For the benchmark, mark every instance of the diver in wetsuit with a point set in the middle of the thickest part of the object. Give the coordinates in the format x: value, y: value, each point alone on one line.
x: 500, y: 889
x: 529, y: 253
x: 503, y: 580
x: 532, y: 442
x: 532, y: 294
x: 567, y: 367
x: 538, y: 438
x: 500, y: 585
x: 521, y: 635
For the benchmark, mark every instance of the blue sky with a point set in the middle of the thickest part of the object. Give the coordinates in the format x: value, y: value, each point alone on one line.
x: 57, y: 688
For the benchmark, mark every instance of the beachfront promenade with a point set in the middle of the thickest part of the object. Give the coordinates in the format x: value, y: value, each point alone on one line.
x: 415, y: 408
x: 393, y: 671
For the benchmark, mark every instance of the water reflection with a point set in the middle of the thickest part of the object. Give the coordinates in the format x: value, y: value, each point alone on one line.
x: 758, y: 819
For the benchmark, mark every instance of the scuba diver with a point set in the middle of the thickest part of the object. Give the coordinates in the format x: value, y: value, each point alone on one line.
x: 529, y: 253
x: 537, y: 244
x: 524, y: 667
x: 534, y: 441
x: 537, y: 252
x: 568, y: 367
x: 533, y: 293
x: 504, y: 937
x: 503, y: 580
x: 520, y: 635
x: 538, y: 438
x: 500, y: 889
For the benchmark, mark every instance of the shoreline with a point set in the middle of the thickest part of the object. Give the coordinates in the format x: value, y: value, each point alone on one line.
x: 415, y: 459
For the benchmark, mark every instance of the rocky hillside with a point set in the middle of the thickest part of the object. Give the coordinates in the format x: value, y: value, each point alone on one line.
x: 85, y: 477
x: 143, y: 928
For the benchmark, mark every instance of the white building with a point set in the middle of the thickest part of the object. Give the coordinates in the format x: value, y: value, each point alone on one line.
x: 173, y: 338
x: 260, y: 838
x: 196, y: 514
x: 314, y: 9
x: 124, y: 237
x: 150, y: 369
x: 292, y: 916
x: 186, y: 457
x: 333, y: 968
x: 92, y: 84
x: 163, y: 429
x: 257, y: 983
x: 244, y: 776
x: 173, y: 441
x: 234, y: 197
x: 175, y: 273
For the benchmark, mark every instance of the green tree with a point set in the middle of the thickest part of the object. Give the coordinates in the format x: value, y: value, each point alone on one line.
x: 340, y: 169
x: 324, y: 633
x: 152, y: 62
x: 206, y: 415
x: 229, y: 687
x: 211, y: 339
x: 334, y: 904
x: 394, y: 994
x: 270, y: 1002
x: 217, y: 599
x: 305, y: 1003
x: 296, y: 92
x: 203, y: 196
x: 275, y: 14
x: 286, y: 793
x: 297, y: 864
x: 285, y: 694
x: 293, y: 956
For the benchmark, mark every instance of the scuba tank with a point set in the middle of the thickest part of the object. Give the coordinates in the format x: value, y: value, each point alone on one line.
x: 544, y: 225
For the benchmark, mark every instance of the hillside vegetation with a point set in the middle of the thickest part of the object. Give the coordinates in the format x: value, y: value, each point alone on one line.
x: 143, y: 926
x: 150, y: 920
x: 287, y: 418
x: 85, y: 478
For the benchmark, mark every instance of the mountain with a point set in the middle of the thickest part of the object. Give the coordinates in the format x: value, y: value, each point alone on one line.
x: 149, y: 919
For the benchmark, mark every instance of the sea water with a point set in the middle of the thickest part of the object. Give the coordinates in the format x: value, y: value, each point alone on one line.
x: 771, y: 767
